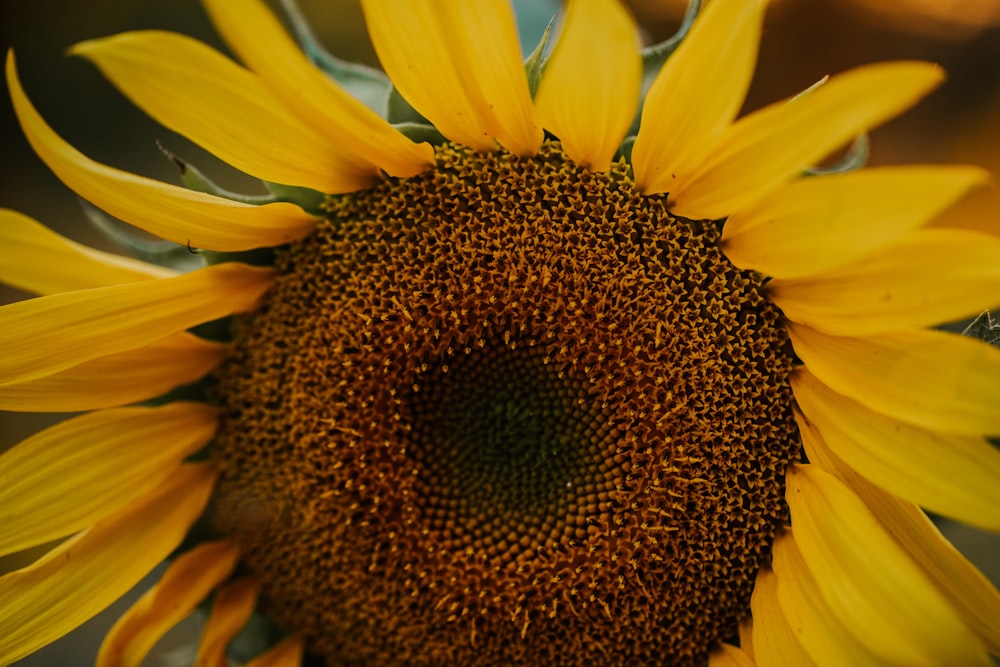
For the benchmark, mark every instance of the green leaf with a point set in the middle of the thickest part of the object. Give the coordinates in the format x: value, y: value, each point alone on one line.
x: 309, y: 200
x: 194, y: 179
x: 137, y: 243
x: 534, y: 64
x: 400, y: 111
x: 625, y: 150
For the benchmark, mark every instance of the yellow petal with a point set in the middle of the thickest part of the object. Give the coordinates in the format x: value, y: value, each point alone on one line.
x: 45, y: 335
x: 459, y: 65
x: 197, y: 92
x: 256, y: 36
x: 36, y: 259
x: 871, y: 584
x: 746, y: 636
x: 171, y: 212
x: 822, y: 633
x: 817, y: 224
x: 970, y: 593
x: 697, y: 94
x: 760, y: 152
x: 82, y: 576
x: 726, y: 655
x: 774, y: 642
x: 286, y: 654
x: 117, y: 379
x: 188, y: 580
x: 231, y: 609
x: 933, y: 379
x: 590, y: 88
x: 79, y: 471
x: 954, y: 475
x: 928, y: 277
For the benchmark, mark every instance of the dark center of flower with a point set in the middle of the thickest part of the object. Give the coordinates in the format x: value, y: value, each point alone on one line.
x: 508, y: 412
x: 511, y: 451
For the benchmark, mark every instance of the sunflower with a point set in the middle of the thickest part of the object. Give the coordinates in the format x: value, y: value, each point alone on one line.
x: 523, y: 380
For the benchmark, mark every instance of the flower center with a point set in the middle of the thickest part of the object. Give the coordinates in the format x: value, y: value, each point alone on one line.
x: 507, y: 412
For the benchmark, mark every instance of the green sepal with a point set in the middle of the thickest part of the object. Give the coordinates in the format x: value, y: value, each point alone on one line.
x: 625, y: 150
x: 402, y: 112
x: 309, y: 200
x: 857, y: 154
x: 138, y: 244
x: 256, y: 257
x: 194, y: 179
x: 654, y: 57
x: 534, y: 64
x: 856, y: 158
x: 367, y: 84
x: 421, y: 132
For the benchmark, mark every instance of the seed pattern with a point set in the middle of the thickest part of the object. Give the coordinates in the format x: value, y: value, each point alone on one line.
x: 507, y: 412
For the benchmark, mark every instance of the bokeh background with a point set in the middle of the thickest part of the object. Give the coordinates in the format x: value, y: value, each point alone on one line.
x: 803, y: 40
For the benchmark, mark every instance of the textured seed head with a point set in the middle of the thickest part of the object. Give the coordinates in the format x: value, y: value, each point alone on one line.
x: 507, y: 412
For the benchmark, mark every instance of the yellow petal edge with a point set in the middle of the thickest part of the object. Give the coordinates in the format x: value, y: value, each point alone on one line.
x: 117, y: 379
x: 168, y: 211
x: 188, y: 580
x: 38, y: 260
x: 76, y: 473
x: 51, y: 333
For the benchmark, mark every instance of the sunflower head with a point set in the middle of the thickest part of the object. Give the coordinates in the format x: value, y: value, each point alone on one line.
x: 531, y: 398
x: 567, y: 365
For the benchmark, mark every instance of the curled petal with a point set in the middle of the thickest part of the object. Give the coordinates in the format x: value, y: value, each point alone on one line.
x: 231, y: 609
x: 168, y: 211
x: 188, y: 580
x: 971, y: 594
x: 885, y: 602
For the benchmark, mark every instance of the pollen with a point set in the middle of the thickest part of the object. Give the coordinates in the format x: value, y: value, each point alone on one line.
x: 507, y: 412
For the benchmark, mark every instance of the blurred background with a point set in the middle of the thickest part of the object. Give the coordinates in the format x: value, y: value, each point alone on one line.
x: 803, y: 41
